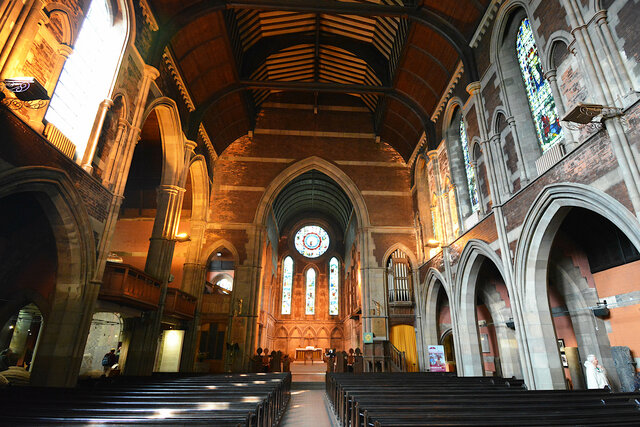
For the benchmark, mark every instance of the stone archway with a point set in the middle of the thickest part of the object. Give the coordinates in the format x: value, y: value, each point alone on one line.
x: 67, y: 313
x: 466, y: 335
x: 531, y: 268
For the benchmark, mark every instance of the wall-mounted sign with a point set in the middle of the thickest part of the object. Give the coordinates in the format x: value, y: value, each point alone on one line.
x: 367, y: 337
x: 437, y: 362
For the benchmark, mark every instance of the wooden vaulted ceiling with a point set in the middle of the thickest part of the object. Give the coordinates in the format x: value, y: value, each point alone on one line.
x: 397, y: 56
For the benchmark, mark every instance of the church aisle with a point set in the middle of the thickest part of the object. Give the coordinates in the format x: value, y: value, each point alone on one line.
x: 307, y: 406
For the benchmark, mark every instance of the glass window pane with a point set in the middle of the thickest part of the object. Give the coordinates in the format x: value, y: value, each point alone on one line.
x: 468, y: 167
x: 543, y: 107
x: 287, y: 282
x: 86, y: 77
x: 334, y: 280
x: 311, y: 292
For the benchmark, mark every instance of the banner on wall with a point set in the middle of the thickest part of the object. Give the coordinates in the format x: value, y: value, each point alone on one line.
x: 437, y: 362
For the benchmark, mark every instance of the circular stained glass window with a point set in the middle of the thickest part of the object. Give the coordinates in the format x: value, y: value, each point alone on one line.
x: 311, y: 241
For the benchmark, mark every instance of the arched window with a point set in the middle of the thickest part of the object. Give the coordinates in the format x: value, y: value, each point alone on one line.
x: 87, y: 75
x: 468, y: 167
x: 287, y: 282
x: 311, y: 292
x: 334, y: 286
x: 225, y: 283
x: 399, y: 277
x: 543, y: 107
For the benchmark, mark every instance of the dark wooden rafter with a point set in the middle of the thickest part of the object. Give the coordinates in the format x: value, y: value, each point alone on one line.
x: 316, y: 61
x: 260, y: 51
x: 401, y: 44
x: 232, y: 43
x: 419, y: 15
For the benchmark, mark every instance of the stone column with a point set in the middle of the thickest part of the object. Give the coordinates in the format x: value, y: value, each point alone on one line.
x: 193, y: 279
x: 525, y: 173
x: 619, y: 142
x: 504, y: 181
x: 552, y: 78
x: 481, y: 201
x: 117, y: 149
x: 25, y: 28
x: 620, y: 72
x: 92, y: 144
x: 144, y: 332
x: 242, y: 333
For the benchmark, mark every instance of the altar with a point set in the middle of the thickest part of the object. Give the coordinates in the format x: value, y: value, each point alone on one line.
x: 309, y: 352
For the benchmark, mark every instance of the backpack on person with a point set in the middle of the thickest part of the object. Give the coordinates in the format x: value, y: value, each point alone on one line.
x: 105, y: 360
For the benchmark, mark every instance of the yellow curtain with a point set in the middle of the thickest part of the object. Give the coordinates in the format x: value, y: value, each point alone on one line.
x: 403, y: 337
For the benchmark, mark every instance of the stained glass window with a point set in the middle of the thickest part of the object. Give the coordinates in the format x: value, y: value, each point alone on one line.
x: 86, y: 77
x: 287, y: 281
x: 334, y: 280
x: 453, y: 209
x: 311, y: 292
x: 311, y: 241
x: 543, y: 107
x: 468, y: 167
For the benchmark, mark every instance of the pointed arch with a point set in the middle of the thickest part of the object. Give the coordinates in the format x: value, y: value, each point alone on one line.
x: 413, y: 261
x: 305, y: 165
x: 454, y: 103
x: 500, y: 111
x: 540, y: 226
x: 172, y: 138
x: 199, y: 188
x: 221, y: 243
x: 67, y: 311
x: 434, y: 283
x: 559, y: 36
x: 473, y: 256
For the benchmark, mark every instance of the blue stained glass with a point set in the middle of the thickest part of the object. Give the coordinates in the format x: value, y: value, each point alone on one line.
x: 287, y: 281
x: 468, y: 167
x: 543, y: 107
x: 334, y: 280
x: 311, y: 292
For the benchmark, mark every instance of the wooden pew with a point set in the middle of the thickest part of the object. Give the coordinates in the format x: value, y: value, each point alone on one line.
x: 225, y: 400
x: 433, y: 399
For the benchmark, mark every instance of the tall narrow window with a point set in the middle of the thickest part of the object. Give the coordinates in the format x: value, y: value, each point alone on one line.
x: 334, y: 286
x: 287, y: 281
x: 311, y: 292
x: 543, y: 107
x: 87, y: 75
x: 468, y: 167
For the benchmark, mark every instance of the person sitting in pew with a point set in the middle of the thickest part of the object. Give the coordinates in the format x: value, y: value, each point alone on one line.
x: 16, y: 375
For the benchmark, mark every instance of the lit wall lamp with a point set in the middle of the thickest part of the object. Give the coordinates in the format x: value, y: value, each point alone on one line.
x: 589, y: 114
x: 28, y: 93
x: 182, y: 237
